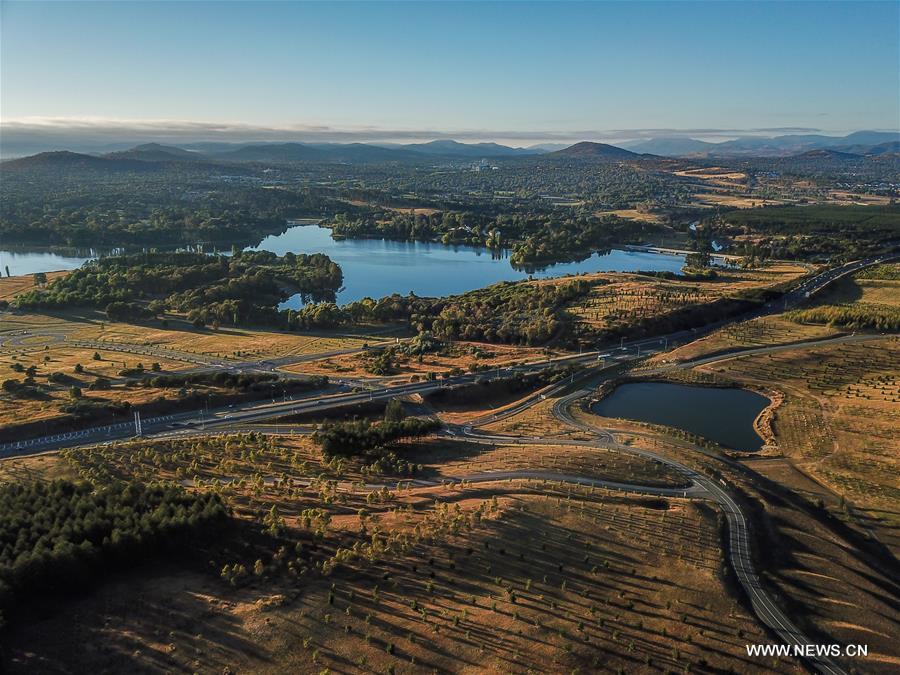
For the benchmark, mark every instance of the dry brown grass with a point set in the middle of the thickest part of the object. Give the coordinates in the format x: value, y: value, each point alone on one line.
x: 633, y: 214
x: 551, y: 579
x: 851, y: 290
x: 459, y: 355
x: 714, y: 174
x: 839, y: 419
x: 536, y: 420
x: 736, y: 200
x: 180, y: 335
x: 61, y: 359
x: 759, y: 332
x: 851, y: 198
x: 838, y: 592
x: 10, y: 287
x: 627, y: 297
x: 242, y: 343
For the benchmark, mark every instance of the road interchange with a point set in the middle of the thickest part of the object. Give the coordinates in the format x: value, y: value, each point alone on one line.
x: 699, y: 485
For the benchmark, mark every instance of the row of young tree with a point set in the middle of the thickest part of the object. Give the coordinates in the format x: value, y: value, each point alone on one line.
x: 861, y: 316
x: 60, y: 535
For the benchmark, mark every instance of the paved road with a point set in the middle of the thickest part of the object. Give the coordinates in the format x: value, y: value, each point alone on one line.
x: 739, y: 540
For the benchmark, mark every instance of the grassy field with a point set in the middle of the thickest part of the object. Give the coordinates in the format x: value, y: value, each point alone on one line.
x: 459, y: 355
x: 632, y: 214
x: 822, y: 570
x: 240, y: 343
x: 868, y: 300
x: 879, y: 285
x: 45, y: 342
x: 814, y: 547
x: 10, y: 287
x: 759, y: 332
x: 621, y: 299
x: 504, y: 577
x: 62, y: 360
x: 838, y: 420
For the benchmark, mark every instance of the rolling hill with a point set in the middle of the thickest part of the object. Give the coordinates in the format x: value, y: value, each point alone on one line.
x: 156, y: 152
x: 63, y: 160
x: 593, y: 151
x: 669, y: 146
x: 469, y: 150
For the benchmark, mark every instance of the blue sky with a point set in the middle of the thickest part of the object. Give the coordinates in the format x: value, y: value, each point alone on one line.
x: 515, y: 72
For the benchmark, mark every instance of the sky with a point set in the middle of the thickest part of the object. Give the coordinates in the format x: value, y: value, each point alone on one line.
x: 519, y: 73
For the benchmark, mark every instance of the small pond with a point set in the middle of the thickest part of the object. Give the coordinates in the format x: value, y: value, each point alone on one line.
x: 725, y: 416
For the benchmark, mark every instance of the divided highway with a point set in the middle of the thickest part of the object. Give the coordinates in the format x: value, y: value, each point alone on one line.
x: 253, y: 412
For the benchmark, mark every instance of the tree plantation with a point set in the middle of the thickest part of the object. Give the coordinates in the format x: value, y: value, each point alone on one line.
x: 58, y: 536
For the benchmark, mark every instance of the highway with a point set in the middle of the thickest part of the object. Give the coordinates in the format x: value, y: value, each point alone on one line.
x: 256, y: 411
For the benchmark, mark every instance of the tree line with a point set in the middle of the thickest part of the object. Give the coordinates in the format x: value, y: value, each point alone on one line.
x: 237, y: 289
x: 62, y: 535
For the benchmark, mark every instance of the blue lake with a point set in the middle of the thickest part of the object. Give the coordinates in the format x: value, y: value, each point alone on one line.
x: 378, y: 267
x: 29, y: 262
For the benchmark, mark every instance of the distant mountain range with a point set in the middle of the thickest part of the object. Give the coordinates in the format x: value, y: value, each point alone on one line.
x: 471, y: 150
x: 883, y: 146
x: 857, y: 143
x: 64, y: 161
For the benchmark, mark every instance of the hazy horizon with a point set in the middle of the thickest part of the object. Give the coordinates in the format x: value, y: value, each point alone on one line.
x: 88, y: 74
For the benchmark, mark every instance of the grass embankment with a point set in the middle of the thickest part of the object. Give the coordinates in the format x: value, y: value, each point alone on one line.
x: 10, y: 287
x: 836, y: 582
x: 761, y: 332
x: 56, y: 376
x: 456, y: 357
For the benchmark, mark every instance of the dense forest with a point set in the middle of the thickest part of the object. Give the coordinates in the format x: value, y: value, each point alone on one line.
x: 374, y: 443
x: 538, y: 236
x: 58, y: 536
x: 245, y: 287
x: 178, y: 206
x: 860, y: 316
x: 798, y: 232
x: 577, y: 238
x: 512, y: 313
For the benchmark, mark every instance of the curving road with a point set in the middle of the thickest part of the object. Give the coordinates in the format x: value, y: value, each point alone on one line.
x: 739, y: 541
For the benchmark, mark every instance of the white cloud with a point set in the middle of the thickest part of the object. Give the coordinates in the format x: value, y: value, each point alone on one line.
x: 86, y: 131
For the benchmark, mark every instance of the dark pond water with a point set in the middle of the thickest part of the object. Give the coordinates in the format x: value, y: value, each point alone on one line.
x: 377, y: 267
x: 722, y: 415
